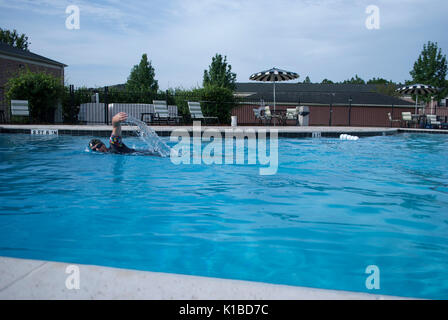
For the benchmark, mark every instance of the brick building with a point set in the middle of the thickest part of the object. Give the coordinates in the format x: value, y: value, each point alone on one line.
x: 13, y: 60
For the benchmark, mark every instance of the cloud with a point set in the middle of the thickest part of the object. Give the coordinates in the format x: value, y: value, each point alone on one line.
x: 56, y: 8
x: 323, y: 39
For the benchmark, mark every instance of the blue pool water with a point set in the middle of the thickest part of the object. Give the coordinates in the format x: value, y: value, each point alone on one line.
x: 333, y: 208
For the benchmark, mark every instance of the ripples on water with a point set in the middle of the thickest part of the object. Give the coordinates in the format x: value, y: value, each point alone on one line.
x: 333, y: 208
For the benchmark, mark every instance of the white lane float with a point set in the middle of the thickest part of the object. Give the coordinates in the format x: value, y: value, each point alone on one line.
x: 348, y: 137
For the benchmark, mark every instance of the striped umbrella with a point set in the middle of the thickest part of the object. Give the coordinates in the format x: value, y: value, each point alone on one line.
x: 417, y: 89
x: 274, y: 75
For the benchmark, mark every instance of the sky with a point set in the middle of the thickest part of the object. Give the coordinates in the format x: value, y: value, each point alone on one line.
x: 316, y: 38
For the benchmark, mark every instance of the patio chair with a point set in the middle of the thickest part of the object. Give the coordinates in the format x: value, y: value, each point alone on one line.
x: 407, y: 118
x: 444, y: 122
x: 196, y: 112
x: 432, y: 121
x: 292, y: 114
x: 161, y: 113
x: 258, y: 114
x: 267, y: 115
x: 392, y: 120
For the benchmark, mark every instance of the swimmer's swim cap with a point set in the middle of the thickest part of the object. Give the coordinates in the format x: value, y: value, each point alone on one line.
x: 94, y: 142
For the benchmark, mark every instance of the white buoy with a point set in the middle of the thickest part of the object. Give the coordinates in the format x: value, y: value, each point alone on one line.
x: 348, y: 137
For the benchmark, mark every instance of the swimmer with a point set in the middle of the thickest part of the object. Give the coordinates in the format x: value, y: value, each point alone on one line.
x: 115, y: 140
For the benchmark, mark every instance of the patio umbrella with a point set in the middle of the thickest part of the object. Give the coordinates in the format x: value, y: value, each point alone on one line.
x: 274, y: 75
x: 417, y: 89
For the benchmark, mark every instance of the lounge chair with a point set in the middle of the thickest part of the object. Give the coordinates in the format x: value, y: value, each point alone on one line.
x: 432, y: 121
x: 20, y: 108
x: 161, y: 113
x: 196, y: 112
x: 407, y: 118
x: 392, y: 120
x: 174, y: 114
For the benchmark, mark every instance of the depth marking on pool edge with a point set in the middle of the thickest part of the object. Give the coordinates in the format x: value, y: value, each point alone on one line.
x: 44, y: 132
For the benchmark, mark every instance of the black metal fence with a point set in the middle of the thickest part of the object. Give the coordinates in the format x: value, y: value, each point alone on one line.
x: 4, y: 107
x: 97, y: 106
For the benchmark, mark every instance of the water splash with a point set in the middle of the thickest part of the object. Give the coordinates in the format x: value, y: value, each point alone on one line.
x: 150, y: 137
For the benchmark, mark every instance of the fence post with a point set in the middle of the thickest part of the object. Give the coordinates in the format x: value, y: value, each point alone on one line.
x: 106, y: 105
x: 391, y: 114
x: 72, y: 103
x: 331, y: 108
x: 350, y: 111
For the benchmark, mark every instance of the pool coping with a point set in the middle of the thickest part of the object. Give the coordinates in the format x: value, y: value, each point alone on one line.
x: 283, y: 132
x: 48, y: 280
x: 288, y: 132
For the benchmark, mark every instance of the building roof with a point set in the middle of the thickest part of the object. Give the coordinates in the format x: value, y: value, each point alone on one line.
x: 310, y: 87
x: 8, y: 50
x: 313, y: 93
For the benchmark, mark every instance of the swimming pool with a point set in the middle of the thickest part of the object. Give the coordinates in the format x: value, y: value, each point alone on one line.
x: 333, y: 208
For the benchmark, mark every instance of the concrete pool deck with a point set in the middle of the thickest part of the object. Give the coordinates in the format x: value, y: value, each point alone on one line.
x: 46, y: 280
x: 283, y: 131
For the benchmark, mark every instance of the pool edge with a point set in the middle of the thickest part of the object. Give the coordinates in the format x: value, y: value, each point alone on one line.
x: 282, y: 132
x: 42, y: 280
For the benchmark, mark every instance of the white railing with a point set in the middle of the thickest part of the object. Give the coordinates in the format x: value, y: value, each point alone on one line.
x: 94, y: 113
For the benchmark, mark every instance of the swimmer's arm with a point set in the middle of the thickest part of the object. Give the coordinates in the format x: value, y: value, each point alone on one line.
x: 116, y: 123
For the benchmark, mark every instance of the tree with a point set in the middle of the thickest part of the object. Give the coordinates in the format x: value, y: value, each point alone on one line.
x: 431, y: 68
x: 383, y: 86
x: 326, y: 81
x: 307, y: 80
x: 42, y: 91
x: 355, y: 80
x: 14, y: 39
x: 378, y: 81
x: 142, y: 77
x: 220, y: 74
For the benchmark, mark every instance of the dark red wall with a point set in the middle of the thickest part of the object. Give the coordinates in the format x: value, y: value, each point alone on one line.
x: 320, y: 115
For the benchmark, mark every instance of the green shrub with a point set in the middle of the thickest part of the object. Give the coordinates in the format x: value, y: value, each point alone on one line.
x: 181, y: 98
x: 69, y: 111
x: 43, y: 91
x: 215, y: 102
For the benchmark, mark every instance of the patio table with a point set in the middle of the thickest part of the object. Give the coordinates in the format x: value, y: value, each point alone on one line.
x: 420, y: 120
x: 280, y: 115
x: 145, y: 114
